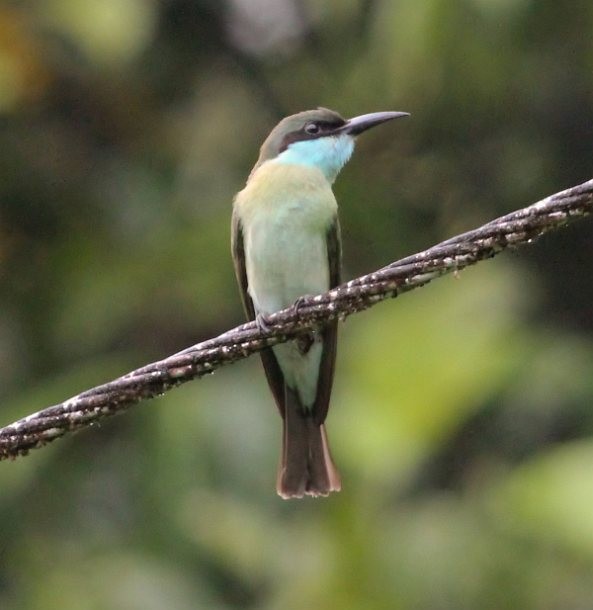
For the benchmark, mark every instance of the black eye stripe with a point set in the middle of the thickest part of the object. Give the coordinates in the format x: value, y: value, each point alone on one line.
x: 328, y: 125
x: 324, y: 127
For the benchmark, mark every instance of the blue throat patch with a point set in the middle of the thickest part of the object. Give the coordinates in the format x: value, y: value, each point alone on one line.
x: 328, y: 154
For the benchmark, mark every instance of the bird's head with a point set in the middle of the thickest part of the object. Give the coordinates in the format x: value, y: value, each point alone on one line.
x: 320, y: 138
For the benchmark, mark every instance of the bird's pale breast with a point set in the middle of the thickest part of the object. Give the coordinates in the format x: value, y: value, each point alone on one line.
x: 285, y: 212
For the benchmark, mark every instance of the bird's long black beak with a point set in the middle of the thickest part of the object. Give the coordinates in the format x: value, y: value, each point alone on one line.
x: 361, y: 123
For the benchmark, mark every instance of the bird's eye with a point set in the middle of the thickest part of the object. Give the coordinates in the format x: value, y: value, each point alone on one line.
x: 312, y: 128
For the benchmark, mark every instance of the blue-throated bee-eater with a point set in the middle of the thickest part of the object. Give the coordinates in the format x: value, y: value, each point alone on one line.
x: 286, y: 244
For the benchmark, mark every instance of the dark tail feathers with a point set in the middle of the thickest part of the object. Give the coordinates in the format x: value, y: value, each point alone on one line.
x: 306, y: 466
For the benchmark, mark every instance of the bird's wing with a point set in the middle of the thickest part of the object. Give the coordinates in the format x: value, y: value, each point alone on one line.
x: 330, y: 332
x: 271, y: 367
x: 238, y: 250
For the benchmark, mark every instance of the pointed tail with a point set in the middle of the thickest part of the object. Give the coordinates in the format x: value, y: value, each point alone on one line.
x: 306, y: 466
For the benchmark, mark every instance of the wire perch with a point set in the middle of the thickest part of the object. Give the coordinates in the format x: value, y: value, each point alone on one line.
x: 515, y: 229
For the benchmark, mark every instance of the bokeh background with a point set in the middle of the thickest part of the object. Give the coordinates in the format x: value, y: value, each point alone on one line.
x: 462, y: 415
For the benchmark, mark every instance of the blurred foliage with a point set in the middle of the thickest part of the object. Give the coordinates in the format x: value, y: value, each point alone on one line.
x: 461, y: 418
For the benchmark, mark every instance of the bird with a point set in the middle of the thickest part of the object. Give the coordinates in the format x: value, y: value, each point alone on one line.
x: 286, y: 244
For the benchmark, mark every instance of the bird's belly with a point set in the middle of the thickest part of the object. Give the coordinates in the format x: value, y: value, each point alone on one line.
x: 286, y: 257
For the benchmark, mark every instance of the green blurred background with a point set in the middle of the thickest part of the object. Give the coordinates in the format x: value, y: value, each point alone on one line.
x: 461, y: 418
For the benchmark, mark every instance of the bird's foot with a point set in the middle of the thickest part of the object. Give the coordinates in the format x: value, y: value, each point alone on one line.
x: 300, y: 302
x: 263, y: 323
